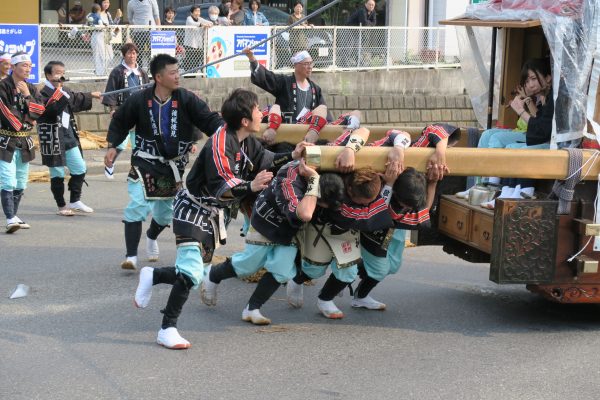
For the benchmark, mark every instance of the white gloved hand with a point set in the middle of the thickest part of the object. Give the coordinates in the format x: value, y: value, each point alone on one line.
x: 353, y: 123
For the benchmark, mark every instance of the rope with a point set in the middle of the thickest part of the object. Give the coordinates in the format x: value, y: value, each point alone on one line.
x: 595, y: 220
x: 564, y: 190
x: 16, y: 134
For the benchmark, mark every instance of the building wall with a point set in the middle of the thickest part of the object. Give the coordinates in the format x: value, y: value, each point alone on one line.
x: 397, y: 13
x: 412, y: 12
x: 394, y: 98
x: 26, y: 12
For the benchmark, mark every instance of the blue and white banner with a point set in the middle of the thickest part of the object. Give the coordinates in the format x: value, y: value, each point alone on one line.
x: 243, y: 40
x: 17, y: 38
x: 163, y: 42
x: 226, y: 40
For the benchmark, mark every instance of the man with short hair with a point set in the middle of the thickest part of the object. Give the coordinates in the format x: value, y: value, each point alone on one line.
x: 363, y: 41
x: 297, y: 97
x: 59, y: 140
x: 232, y: 165
x: 20, y: 106
x: 364, y: 16
x: 164, y: 117
x: 128, y: 74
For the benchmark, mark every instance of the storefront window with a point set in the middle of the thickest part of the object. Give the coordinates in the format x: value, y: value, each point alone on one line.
x: 54, y: 12
x: 71, y: 11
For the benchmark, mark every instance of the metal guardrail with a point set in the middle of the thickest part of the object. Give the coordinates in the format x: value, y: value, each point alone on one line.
x: 91, y: 52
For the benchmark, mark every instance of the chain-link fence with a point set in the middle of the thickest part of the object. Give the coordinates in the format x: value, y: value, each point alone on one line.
x: 368, y: 48
x: 91, y: 52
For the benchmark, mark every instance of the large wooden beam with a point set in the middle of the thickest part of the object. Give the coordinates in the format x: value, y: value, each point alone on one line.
x: 504, y: 163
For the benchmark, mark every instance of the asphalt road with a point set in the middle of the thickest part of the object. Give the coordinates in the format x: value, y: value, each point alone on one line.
x: 448, y: 332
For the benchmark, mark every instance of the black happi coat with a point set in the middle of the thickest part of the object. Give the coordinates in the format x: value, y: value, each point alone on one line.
x: 220, y: 178
x: 116, y: 81
x: 274, y: 213
x: 353, y: 216
x: 52, y: 134
x: 14, y: 107
x: 375, y: 242
x: 284, y: 88
x: 187, y: 112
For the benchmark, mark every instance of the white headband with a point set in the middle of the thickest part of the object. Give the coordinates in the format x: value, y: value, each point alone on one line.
x: 20, y: 58
x: 5, y: 57
x: 299, y: 57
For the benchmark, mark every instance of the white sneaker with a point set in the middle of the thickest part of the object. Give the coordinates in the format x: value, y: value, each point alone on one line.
x: 295, y: 294
x: 109, y: 172
x: 130, y: 263
x: 255, y: 317
x: 25, y: 225
x: 368, y: 302
x: 12, y: 225
x: 464, y: 194
x: 171, y: 339
x: 329, y: 309
x: 143, y: 293
x: 208, y: 290
x: 152, y: 249
x: 79, y: 206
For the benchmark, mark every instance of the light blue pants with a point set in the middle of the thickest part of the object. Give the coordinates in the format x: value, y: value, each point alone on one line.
x: 14, y: 174
x: 277, y: 259
x: 129, y: 139
x: 189, y: 263
x: 506, y: 139
x: 75, y: 163
x: 347, y: 274
x: 138, y: 207
x: 380, y: 267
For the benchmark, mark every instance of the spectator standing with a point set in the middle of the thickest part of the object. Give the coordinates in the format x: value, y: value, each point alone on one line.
x: 297, y: 36
x: 101, y: 37
x: 169, y: 16
x: 213, y: 14
x: 223, y: 17
x: 297, y: 14
x: 363, y: 16
x: 194, y: 32
x: 218, y: 15
x: 236, y: 13
x: 253, y: 16
x: 143, y: 12
x: 105, y: 14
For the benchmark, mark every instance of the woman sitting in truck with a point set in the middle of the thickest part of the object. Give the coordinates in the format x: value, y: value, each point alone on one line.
x: 534, y: 105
